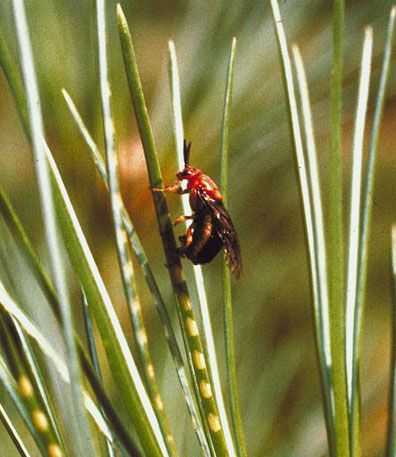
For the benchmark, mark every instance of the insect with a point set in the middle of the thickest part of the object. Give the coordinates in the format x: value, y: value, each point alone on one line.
x: 211, y: 229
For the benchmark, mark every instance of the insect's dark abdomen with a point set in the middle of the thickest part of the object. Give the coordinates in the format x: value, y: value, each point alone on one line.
x: 212, y: 247
x: 206, y: 243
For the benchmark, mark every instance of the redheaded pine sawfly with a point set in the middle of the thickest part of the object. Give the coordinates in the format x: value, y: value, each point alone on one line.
x: 211, y: 229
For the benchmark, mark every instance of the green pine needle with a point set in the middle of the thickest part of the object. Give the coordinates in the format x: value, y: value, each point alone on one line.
x: 78, y: 424
x: 203, y: 306
x: 160, y: 424
x: 226, y: 276
x: 12, y: 432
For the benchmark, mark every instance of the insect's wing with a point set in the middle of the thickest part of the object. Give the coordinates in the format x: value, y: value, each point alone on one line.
x: 226, y: 231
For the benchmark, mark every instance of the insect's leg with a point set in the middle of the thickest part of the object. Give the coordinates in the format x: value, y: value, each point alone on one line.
x: 189, y: 236
x: 182, y: 218
x: 182, y: 248
x: 175, y: 188
x: 186, y: 240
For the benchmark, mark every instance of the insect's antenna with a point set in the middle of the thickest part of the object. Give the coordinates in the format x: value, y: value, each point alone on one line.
x: 186, y: 152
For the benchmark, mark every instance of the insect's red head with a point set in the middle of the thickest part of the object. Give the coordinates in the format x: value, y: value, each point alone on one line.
x: 187, y: 173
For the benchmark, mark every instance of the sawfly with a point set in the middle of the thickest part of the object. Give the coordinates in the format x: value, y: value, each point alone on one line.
x: 211, y: 229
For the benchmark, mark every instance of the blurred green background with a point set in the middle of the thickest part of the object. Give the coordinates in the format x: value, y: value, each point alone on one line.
x: 276, y: 362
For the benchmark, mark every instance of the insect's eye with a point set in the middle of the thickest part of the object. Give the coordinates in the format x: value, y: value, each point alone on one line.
x: 186, y: 173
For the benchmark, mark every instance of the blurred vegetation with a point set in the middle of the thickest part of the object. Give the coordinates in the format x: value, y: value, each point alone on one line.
x: 277, y: 370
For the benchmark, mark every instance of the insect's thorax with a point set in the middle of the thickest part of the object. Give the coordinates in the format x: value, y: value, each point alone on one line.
x: 202, y: 184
